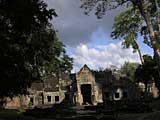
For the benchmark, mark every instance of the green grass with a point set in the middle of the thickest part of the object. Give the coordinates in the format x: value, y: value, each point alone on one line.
x: 8, y: 114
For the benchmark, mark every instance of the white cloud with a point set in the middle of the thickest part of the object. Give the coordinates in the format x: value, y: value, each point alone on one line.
x: 102, y: 56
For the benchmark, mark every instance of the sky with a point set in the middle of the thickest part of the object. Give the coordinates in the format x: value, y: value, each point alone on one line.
x: 87, y: 39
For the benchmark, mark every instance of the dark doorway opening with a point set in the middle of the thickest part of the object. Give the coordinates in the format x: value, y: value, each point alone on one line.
x: 31, y: 101
x: 49, y: 98
x: 56, y: 98
x: 125, y: 94
x: 86, y: 93
x: 67, y: 96
x: 116, y: 95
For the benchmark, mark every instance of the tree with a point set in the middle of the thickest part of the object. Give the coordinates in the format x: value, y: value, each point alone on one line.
x: 29, y: 47
x: 148, y: 10
x: 148, y: 72
x: 129, y: 69
x: 127, y: 26
x: 66, y: 64
x: 48, y: 55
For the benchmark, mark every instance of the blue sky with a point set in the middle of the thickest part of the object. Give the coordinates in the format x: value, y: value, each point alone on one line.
x: 87, y: 38
x: 145, y: 48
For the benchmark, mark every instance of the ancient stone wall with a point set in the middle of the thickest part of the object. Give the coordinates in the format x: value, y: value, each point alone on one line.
x: 12, y: 103
x: 86, y: 77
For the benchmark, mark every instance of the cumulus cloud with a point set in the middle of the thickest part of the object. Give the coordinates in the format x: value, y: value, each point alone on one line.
x: 102, y: 56
x: 87, y: 38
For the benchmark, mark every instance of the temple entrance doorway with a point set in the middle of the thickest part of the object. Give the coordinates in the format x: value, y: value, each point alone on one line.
x: 86, y: 93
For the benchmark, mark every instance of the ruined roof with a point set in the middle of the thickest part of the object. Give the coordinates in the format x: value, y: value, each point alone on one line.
x: 103, y: 77
x: 48, y: 85
x: 65, y: 76
x: 51, y: 84
x: 37, y: 85
x: 84, y: 67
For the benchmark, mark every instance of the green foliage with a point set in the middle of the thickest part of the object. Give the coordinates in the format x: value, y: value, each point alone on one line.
x: 102, y: 6
x: 66, y: 64
x: 126, y: 26
x: 29, y: 47
x: 21, y: 110
x: 129, y: 69
x: 148, y: 72
x: 139, y: 14
x: 126, y: 22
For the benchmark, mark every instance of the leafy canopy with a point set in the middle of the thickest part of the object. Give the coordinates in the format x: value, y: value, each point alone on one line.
x: 148, y: 72
x: 141, y: 16
x: 29, y: 47
x: 129, y: 70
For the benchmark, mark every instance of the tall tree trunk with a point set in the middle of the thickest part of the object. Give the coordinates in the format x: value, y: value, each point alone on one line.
x: 140, y: 56
x: 158, y: 20
x: 139, y: 53
x: 158, y: 14
x: 152, y: 34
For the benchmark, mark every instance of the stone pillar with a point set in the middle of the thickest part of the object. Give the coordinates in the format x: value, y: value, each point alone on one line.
x: 94, y: 94
x: 79, y: 95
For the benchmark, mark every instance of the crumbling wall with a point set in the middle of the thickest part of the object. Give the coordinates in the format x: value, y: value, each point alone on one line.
x: 54, y: 95
x: 40, y: 98
x: 99, y: 94
x: 12, y: 103
x: 85, y: 76
x: 155, y: 91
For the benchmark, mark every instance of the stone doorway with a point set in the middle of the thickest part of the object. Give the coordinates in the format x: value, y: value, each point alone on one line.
x: 86, y: 93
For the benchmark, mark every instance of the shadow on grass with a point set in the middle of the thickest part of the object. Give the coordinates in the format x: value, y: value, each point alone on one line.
x: 56, y: 111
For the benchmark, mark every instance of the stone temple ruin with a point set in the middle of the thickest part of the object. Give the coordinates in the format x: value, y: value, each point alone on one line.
x: 45, y: 93
x: 86, y: 87
x: 93, y: 87
x: 88, y: 90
